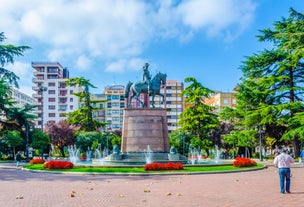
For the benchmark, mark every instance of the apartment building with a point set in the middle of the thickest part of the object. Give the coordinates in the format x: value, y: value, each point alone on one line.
x: 53, y: 97
x: 115, y: 96
x: 99, y: 104
x: 21, y: 98
x: 174, y: 102
x: 220, y: 100
x: 111, y: 111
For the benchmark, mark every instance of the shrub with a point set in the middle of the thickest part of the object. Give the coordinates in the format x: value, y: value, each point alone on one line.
x: 164, y: 166
x: 243, y: 162
x: 37, y: 161
x: 7, y: 157
x: 57, y: 164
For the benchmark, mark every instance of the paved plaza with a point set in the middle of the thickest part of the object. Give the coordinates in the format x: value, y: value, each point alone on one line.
x: 254, y: 188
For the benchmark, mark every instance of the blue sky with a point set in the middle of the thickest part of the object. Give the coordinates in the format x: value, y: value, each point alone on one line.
x: 108, y: 41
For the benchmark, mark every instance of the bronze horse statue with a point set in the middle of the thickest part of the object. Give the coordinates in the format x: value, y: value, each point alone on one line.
x: 141, y: 87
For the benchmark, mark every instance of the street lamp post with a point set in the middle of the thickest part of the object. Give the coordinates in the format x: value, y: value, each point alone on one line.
x: 42, y: 89
x: 260, y: 133
x: 27, y: 142
x: 183, y: 144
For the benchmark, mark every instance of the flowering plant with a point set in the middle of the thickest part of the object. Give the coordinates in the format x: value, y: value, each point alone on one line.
x: 243, y: 162
x: 57, y: 164
x: 37, y: 161
x: 164, y: 166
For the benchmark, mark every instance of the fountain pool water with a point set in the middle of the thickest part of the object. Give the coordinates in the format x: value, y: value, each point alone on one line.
x: 148, y: 155
x: 216, y: 154
x: 73, y: 154
x: 99, y: 157
x: 195, y: 157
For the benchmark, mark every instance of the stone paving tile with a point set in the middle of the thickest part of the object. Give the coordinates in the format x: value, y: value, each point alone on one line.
x: 255, y: 188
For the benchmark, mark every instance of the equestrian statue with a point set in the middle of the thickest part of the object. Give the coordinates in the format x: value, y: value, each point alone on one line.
x: 148, y: 85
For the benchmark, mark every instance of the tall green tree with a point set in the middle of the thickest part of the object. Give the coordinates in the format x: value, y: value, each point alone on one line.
x: 198, y: 119
x: 83, y: 117
x: 7, y: 55
x: 271, y: 91
x: 6, y: 101
x: 40, y: 140
x: 13, y: 139
x: 7, y: 78
x: 21, y: 117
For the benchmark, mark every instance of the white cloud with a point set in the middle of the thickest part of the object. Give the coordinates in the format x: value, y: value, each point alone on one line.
x: 217, y: 17
x: 131, y: 64
x: 83, y: 63
x: 117, y: 32
x: 24, y: 71
x: 21, y: 69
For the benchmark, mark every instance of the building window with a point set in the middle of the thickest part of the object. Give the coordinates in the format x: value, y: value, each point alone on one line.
x: 62, y: 108
x: 51, y: 91
x: 115, y: 111
x: 71, y: 99
x: 115, y: 104
x: 115, y: 97
x: 51, y: 84
x: 52, y: 114
x: 61, y: 85
x: 52, y: 99
x: 226, y: 101
x: 52, y: 69
x: 52, y: 107
x: 71, y: 107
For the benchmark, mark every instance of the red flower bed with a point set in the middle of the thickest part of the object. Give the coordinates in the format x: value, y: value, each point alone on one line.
x: 243, y: 162
x: 37, y: 161
x: 57, y: 164
x: 164, y: 166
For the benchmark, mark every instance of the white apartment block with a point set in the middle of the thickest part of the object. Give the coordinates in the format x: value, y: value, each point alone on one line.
x: 53, y: 97
x: 174, y: 102
x: 113, y: 110
x: 21, y: 98
x: 115, y: 96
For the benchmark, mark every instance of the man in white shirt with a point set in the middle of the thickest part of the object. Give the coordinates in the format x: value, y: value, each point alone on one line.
x: 283, y: 161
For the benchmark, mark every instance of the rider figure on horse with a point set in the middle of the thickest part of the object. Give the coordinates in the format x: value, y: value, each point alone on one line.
x: 147, y: 76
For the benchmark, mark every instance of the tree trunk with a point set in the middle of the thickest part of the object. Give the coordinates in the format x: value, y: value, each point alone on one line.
x: 296, y: 146
x: 62, y: 151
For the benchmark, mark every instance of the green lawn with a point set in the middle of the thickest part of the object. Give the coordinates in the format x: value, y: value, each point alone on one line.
x: 187, y: 169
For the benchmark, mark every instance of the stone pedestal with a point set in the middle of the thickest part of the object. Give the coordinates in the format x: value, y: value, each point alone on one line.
x: 143, y: 127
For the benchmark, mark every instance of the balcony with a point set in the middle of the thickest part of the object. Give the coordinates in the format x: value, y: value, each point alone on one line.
x: 36, y: 95
x: 36, y: 80
x: 35, y: 88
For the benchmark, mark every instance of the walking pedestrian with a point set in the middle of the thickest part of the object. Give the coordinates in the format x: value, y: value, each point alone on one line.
x: 283, y: 161
x: 18, y: 158
x: 302, y: 156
